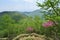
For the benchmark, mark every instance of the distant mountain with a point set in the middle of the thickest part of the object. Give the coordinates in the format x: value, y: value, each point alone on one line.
x: 13, y: 14
x: 38, y: 12
x: 16, y: 15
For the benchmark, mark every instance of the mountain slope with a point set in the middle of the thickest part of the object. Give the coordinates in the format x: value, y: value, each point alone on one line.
x: 17, y: 15
x: 38, y: 12
x: 13, y: 14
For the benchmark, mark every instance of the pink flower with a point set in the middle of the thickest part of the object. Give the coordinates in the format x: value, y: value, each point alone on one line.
x: 48, y: 24
x: 30, y: 29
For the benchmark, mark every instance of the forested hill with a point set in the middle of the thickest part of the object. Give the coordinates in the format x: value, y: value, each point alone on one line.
x: 32, y: 13
x: 13, y: 14
x: 18, y: 15
x: 14, y: 20
x: 38, y: 12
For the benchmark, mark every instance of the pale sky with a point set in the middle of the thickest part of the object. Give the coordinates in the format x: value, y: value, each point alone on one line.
x: 18, y: 5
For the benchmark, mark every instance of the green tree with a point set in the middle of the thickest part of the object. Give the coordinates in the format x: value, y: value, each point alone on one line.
x: 52, y: 7
x: 5, y: 25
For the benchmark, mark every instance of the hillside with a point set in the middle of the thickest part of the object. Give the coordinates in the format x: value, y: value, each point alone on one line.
x: 17, y: 15
x: 13, y: 14
x: 34, y: 13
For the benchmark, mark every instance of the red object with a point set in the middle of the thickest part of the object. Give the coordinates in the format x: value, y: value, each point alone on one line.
x: 30, y: 29
x: 48, y: 24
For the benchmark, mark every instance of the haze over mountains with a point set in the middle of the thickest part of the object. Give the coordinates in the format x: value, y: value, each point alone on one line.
x: 38, y: 12
x: 33, y: 13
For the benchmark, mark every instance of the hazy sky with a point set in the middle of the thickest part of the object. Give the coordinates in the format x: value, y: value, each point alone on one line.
x: 18, y: 5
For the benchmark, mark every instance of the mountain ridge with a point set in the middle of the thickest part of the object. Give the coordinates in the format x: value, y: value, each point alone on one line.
x: 38, y: 12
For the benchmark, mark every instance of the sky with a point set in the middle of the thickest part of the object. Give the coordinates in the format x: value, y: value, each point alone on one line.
x: 18, y: 5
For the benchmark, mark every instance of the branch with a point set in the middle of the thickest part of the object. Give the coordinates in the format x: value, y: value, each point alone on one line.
x: 53, y: 8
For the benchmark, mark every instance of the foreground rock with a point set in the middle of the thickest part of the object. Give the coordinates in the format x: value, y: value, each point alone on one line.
x: 32, y: 36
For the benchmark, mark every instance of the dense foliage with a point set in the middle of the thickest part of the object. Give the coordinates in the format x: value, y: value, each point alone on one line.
x: 12, y: 25
x: 9, y: 24
x: 52, y: 7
